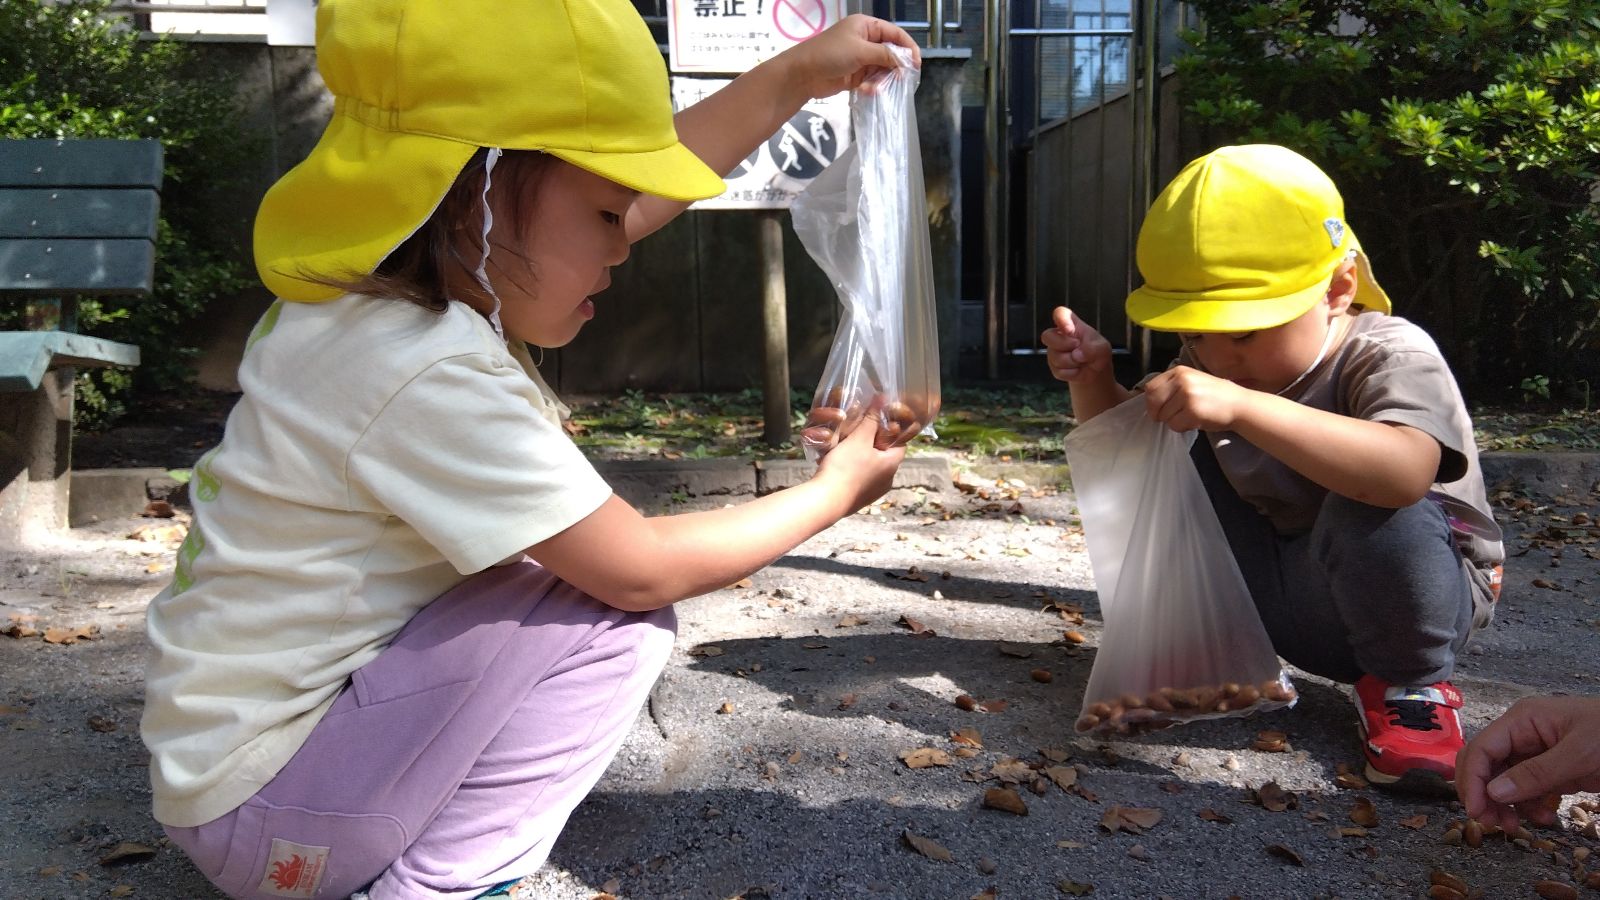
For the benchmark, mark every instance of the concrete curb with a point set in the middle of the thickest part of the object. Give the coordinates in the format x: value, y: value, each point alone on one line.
x: 660, y: 485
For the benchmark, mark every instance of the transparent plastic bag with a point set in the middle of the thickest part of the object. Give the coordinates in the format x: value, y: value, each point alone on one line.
x: 865, y: 221
x: 1182, y: 638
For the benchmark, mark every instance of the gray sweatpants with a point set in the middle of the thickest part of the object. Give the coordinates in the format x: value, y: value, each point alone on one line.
x: 1367, y: 590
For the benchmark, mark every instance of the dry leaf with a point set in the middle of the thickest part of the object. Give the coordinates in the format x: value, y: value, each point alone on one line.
x: 814, y: 645
x: 1132, y: 819
x: 847, y: 701
x: 1351, y: 831
x: 994, y: 706
x: 913, y: 625
x: 1271, y: 742
x: 1012, y: 771
x: 927, y: 847
x: 705, y: 650
x: 1137, y: 851
x: 1211, y: 815
x: 850, y: 621
x: 1074, y: 888
x: 1271, y: 796
x: 987, y: 894
x: 1071, y: 845
x: 1006, y: 800
x: 1416, y: 822
x: 120, y: 890
x: 924, y: 757
x: 1064, y: 776
x: 1365, y: 813
x: 967, y: 736
x: 1285, y: 853
x: 57, y: 634
x: 102, y: 724
x: 724, y: 709
x: 127, y: 851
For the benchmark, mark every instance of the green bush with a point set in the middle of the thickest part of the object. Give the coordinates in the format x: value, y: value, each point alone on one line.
x: 69, y: 71
x: 1465, y: 137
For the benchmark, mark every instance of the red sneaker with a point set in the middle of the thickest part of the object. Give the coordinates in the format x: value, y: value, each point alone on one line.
x: 1410, y: 734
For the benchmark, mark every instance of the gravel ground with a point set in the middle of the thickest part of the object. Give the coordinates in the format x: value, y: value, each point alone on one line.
x: 767, y: 763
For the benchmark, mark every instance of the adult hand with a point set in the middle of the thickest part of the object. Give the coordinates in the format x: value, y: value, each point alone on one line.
x: 1521, y: 764
x: 1184, y: 399
x: 1075, y: 351
x: 839, y: 59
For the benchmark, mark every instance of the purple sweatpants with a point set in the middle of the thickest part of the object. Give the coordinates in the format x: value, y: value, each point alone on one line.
x: 452, y: 761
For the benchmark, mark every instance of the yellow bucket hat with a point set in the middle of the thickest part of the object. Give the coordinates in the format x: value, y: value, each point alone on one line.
x: 420, y: 85
x: 1243, y: 239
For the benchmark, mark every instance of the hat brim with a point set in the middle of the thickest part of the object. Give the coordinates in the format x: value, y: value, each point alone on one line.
x: 673, y: 171
x: 359, y: 194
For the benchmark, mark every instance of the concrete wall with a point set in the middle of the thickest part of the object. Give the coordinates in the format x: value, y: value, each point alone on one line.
x: 683, y: 314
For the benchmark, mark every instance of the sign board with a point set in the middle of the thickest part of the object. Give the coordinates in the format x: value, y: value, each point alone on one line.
x: 785, y: 163
x: 735, y: 35
x: 292, y: 23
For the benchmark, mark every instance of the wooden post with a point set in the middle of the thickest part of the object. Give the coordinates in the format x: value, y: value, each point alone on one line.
x: 774, y: 331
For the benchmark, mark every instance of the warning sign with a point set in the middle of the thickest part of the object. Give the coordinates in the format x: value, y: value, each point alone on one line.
x: 735, y: 35
x: 782, y: 166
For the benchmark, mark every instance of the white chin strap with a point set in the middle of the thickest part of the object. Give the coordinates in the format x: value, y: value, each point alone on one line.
x: 482, y: 272
x: 1327, y: 341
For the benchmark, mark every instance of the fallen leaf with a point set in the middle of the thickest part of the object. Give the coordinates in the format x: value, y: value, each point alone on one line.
x: 724, y: 709
x: 1351, y: 831
x: 127, y: 851
x: 1074, y: 888
x: 847, y: 701
x: 987, y: 894
x: 914, y: 626
x: 120, y: 890
x: 1005, y: 800
x: 1271, y: 742
x: 1071, y: 845
x: 158, y: 509
x: 102, y: 724
x: 1285, y: 853
x: 1132, y: 819
x: 1137, y: 851
x: 967, y: 736
x: 705, y: 650
x: 1064, y: 776
x: 1271, y: 796
x: 813, y: 645
x: 926, y: 846
x: 1012, y: 771
x: 1365, y: 813
x: 57, y: 634
x: 1416, y: 822
x: 50, y: 871
x: 1347, y: 778
x: 1211, y: 815
x: 850, y: 621
x: 923, y: 757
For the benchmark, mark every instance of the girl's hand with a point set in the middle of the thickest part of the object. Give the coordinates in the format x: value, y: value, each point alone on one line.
x: 846, y: 54
x: 1074, y: 351
x: 1523, y: 762
x: 1185, y: 399
x: 861, y: 472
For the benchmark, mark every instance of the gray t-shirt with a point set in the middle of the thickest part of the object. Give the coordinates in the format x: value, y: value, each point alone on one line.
x: 1385, y: 370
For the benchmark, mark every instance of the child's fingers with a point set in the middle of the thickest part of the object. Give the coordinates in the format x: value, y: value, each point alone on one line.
x: 1062, y: 317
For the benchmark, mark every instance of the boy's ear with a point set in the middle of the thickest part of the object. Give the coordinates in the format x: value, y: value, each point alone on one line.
x: 1342, y: 289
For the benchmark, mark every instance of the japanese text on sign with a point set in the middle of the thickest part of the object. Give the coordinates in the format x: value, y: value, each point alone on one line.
x: 735, y: 35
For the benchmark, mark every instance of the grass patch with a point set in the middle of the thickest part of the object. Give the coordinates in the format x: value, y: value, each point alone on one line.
x: 1012, y: 423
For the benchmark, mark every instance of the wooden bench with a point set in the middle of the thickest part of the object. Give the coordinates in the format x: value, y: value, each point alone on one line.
x: 77, y: 219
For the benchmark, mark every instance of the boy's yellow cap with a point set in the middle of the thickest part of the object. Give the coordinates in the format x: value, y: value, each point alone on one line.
x: 420, y: 85
x: 1245, y: 238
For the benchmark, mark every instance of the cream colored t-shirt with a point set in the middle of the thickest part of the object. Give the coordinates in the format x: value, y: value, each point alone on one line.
x: 380, y: 453
x: 1385, y: 370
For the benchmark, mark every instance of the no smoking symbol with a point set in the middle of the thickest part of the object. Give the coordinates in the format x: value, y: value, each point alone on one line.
x: 799, y: 19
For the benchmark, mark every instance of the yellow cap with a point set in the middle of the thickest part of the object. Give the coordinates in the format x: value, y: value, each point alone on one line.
x: 420, y: 85
x: 1245, y: 238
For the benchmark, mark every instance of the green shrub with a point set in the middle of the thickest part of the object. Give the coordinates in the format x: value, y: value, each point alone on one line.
x: 1465, y: 137
x: 68, y: 71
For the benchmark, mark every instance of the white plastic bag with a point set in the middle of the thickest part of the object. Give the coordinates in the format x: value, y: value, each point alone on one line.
x: 1182, y: 638
x: 865, y: 221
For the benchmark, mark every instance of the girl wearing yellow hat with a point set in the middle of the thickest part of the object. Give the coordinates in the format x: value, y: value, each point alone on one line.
x: 1339, y: 456
x: 411, y: 625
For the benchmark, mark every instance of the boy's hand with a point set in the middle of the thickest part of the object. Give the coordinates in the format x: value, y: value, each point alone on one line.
x: 1186, y: 399
x: 1524, y: 761
x: 1074, y: 351
x: 840, y: 58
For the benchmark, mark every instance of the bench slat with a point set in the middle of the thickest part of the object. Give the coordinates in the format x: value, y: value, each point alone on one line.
x: 81, y: 163
x: 102, y: 267
x: 26, y: 355
x: 78, y: 213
